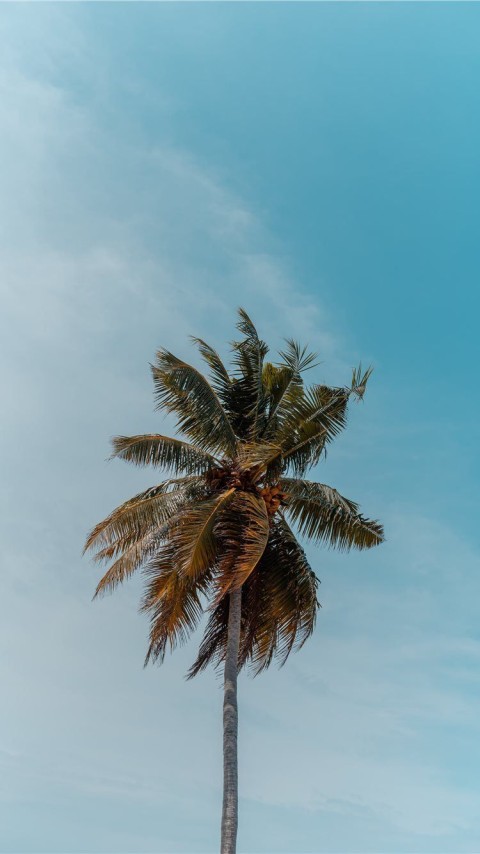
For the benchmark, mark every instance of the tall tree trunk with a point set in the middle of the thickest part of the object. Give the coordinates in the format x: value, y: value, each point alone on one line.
x: 230, y: 728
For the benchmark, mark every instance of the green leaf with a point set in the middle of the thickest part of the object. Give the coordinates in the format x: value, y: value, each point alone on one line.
x: 316, y: 417
x: 162, y: 451
x: 221, y: 380
x: 324, y: 515
x: 181, y: 389
x: 249, y: 400
x: 252, y: 454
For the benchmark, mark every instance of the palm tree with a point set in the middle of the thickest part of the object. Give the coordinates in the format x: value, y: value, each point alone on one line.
x: 217, y: 537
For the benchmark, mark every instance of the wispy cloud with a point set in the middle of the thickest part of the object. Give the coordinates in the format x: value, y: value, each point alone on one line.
x: 385, y: 695
x: 111, y: 245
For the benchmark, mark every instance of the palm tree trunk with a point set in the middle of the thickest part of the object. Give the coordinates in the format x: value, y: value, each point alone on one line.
x: 230, y: 728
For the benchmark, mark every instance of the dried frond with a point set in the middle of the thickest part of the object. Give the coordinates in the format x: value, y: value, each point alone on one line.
x: 279, y: 606
x: 242, y: 531
x: 359, y: 381
x: 288, y: 587
x: 214, y: 642
x: 173, y: 601
x: 133, y: 554
x: 144, y: 512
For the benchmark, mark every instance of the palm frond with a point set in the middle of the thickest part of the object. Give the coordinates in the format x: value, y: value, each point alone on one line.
x: 242, y: 531
x: 144, y: 512
x: 156, y: 450
x: 275, y: 378
x: 298, y: 358
x: 133, y: 551
x: 282, y: 384
x: 194, y: 538
x: 324, y: 515
x: 289, y: 594
x: 221, y: 380
x: 214, y: 642
x: 248, y: 398
x: 223, y: 525
x: 279, y: 606
x: 315, y: 418
x: 252, y: 454
x: 181, y: 389
x: 286, y: 385
x: 173, y: 601
x: 246, y: 326
x: 319, y: 405
x: 359, y: 381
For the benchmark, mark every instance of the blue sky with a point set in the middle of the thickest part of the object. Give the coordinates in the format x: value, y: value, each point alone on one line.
x: 317, y: 163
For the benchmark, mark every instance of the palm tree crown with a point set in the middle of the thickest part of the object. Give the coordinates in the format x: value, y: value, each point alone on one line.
x: 222, y: 522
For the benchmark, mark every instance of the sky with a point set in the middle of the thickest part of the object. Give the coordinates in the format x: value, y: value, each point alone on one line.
x: 162, y: 164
